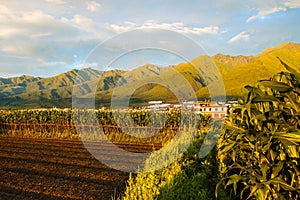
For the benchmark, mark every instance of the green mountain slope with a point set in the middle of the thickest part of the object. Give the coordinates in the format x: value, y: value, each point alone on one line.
x: 53, y: 91
x: 150, y: 82
x: 262, y: 66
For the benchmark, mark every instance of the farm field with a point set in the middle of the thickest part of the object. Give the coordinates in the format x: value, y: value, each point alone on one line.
x: 58, y: 169
x: 256, y: 155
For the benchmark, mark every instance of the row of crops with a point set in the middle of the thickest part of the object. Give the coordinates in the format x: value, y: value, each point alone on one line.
x: 38, y: 123
x: 140, y: 126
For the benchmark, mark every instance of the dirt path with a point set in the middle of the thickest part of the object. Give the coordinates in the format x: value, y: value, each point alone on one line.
x: 58, y: 169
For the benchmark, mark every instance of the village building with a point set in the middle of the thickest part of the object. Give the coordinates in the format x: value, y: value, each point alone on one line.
x: 213, y: 109
x: 216, y: 110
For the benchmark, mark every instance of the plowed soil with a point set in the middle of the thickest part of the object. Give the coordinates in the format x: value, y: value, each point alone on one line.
x: 57, y: 169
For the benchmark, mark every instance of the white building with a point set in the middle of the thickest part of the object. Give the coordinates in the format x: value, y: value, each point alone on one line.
x: 212, y: 109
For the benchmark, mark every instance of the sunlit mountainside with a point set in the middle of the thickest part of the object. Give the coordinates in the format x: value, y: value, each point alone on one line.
x: 235, y: 71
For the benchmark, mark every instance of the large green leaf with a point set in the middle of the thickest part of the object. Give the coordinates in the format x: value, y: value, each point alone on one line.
x: 227, y: 148
x: 261, y: 194
x: 278, y: 86
x: 264, y: 169
x: 277, y: 169
x: 253, y: 190
x: 293, y: 151
x: 294, y: 137
x: 255, y: 91
x: 265, y: 98
x: 267, y: 147
x: 294, y: 102
x: 281, y: 182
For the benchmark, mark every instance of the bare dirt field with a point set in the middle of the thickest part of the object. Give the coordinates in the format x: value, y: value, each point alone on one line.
x: 57, y: 169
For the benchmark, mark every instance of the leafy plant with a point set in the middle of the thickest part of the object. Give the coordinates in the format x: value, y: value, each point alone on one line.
x: 258, y: 150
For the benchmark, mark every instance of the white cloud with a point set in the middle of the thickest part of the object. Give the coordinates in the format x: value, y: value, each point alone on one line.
x: 89, y: 65
x: 271, y: 7
x: 84, y: 23
x: 25, y: 24
x: 250, y: 19
x: 181, y: 28
x: 56, y: 1
x: 176, y: 26
x: 93, y: 6
x: 37, y: 24
x: 265, y: 12
x: 241, y: 36
x: 4, y: 10
x: 37, y: 35
x: 54, y: 63
x: 291, y: 3
x: 121, y: 28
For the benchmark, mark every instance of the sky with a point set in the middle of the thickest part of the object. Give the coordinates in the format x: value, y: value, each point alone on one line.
x: 48, y: 37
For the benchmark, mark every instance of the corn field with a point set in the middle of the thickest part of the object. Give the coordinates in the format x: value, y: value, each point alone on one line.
x: 118, y: 126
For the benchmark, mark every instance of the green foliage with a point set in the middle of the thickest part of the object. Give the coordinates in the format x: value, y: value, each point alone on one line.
x: 259, y: 147
x: 196, y: 178
x: 187, y: 178
x: 46, y: 123
x: 133, y: 126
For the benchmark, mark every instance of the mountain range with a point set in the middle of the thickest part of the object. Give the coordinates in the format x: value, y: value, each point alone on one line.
x: 150, y: 82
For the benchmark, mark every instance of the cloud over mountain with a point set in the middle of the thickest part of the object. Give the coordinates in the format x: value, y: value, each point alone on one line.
x: 64, y: 32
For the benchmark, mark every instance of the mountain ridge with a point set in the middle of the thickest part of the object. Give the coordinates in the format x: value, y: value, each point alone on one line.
x: 236, y: 72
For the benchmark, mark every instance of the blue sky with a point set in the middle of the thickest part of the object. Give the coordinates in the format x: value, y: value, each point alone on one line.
x: 48, y: 37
